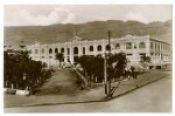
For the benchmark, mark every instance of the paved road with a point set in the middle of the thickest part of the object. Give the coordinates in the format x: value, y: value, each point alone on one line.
x: 155, y: 97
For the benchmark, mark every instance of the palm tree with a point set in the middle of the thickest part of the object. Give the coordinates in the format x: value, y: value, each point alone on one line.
x: 117, y: 64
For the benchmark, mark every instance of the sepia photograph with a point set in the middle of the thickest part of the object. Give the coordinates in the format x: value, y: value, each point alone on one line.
x: 87, y: 58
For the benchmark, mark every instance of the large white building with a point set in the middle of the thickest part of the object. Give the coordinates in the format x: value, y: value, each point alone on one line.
x: 133, y: 46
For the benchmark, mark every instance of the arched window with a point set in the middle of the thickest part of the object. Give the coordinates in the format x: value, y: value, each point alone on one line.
x: 108, y: 47
x: 36, y: 51
x: 128, y: 45
x: 75, y: 50
x: 142, y: 45
x: 62, y: 50
x: 56, y: 50
x: 42, y: 51
x: 117, y: 46
x: 91, y: 48
x: 99, y: 48
x: 50, y: 51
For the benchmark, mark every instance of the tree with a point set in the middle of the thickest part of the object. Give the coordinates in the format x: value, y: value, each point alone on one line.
x: 60, y: 57
x: 99, y: 68
x: 20, y: 72
x: 117, y: 62
x: 93, y: 66
x: 145, y: 58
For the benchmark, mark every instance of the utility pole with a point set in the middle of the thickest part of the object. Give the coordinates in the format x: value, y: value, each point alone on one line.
x: 106, y: 65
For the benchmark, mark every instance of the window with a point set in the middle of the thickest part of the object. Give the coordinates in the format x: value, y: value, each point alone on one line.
x: 99, y: 48
x: 50, y: 57
x: 36, y: 51
x: 62, y: 50
x: 84, y: 51
x: 129, y: 45
x: 108, y: 47
x: 68, y: 59
x: 129, y: 54
x: 155, y: 46
x: 158, y: 46
x: 142, y: 54
x: 42, y: 51
x: 91, y: 48
x: 50, y: 51
x: 161, y: 46
x: 30, y: 51
x: 152, y: 45
x: 42, y: 57
x: 75, y: 50
x: 117, y: 46
x: 142, y: 45
x: 56, y: 50
x: 166, y: 47
x: 135, y: 46
x: 68, y: 51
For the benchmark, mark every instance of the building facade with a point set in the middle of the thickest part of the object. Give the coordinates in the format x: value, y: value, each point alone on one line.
x: 133, y: 46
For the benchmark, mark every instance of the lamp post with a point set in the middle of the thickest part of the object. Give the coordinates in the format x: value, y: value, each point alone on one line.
x: 106, y: 65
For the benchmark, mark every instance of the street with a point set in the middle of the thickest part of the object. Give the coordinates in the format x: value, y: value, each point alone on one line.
x: 155, y: 97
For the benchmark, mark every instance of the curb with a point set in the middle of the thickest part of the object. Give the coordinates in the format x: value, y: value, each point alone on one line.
x: 104, y: 99
x: 140, y: 86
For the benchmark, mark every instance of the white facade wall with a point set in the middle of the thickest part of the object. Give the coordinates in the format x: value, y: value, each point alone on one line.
x: 159, y: 52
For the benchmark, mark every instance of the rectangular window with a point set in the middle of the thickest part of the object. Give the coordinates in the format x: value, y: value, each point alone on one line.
x: 30, y: 51
x: 83, y: 50
x: 36, y: 51
x: 68, y: 59
x: 129, y: 54
x: 152, y: 45
x: 62, y: 50
x: 158, y: 46
x: 42, y: 51
x: 68, y: 51
x: 142, y: 54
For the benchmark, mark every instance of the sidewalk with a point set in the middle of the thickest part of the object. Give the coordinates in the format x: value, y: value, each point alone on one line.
x: 92, y: 95
x: 147, y: 78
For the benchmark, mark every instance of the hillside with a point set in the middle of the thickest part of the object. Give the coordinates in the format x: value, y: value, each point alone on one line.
x: 87, y: 31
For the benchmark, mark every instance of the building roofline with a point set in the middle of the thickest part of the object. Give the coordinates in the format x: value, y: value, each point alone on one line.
x: 112, y: 39
x: 159, y: 41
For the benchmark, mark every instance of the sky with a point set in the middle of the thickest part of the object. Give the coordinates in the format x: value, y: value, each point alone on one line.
x: 24, y: 15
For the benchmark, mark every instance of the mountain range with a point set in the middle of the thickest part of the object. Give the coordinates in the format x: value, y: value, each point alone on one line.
x: 14, y: 35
